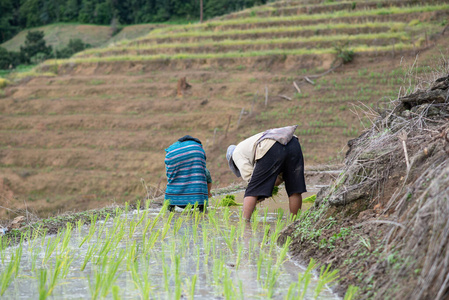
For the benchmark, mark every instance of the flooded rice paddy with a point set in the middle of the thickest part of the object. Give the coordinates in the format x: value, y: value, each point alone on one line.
x: 155, y: 254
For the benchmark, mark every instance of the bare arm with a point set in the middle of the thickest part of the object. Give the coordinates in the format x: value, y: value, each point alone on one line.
x: 209, y: 187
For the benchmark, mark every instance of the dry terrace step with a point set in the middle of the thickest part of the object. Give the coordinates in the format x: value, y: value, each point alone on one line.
x: 96, y: 121
x: 298, y: 8
x: 359, y: 3
x: 391, y: 13
x: 79, y: 159
x: 208, y: 46
x: 269, y: 33
x: 404, y: 18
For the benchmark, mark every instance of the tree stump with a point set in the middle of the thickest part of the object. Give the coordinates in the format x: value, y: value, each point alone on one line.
x: 183, y: 86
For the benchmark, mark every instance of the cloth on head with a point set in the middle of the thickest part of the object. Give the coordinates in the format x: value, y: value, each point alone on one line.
x: 282, y: 135
x: 231, y: 163
x: 189, y: 138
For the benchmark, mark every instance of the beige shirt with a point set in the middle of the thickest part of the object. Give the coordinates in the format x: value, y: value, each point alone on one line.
x: 247, y: 153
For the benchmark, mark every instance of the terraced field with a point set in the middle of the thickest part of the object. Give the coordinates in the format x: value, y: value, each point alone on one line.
x: 87, y: 134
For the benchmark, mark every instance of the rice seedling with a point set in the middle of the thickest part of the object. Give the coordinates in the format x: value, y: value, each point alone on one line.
x: 265, y: 236
x: 146, y: 227
x: 228, y: 286
x: 132, y: 228
x: 226, y: 215
x: 271, y: 279
x: 192, y: 285
x: 104, y: 278
x: 215, y: 248
x: 207, y: 246
x: 326, y: 277
x: 198, y: 259
x: 304, y: 279
x: 218, y: 272
x: 115, y: 292
x: 167, y: 225
x: 351, y: 292
x: 165, y: 270
x: 184, y: 244
x: 48, y: 279
x: 34, y: 255
x: 260, y: 260
x: 100, y: 231
x: 92, y: 230
x: 178, y: 283
x: 195, y: 232
x: 255, y: 220
x: 10, y: 271
x: 67, y: 238
x: 142, y: 280
x: 90, y: 252
x: 283, y: 253
x: 229, y: 237
x: 131, y: 256
x: 239, y: 255
x: 265, y: 215
x: 177, y: 226
x: 52, y: 244
x: 110, y: 243
x: 151, y: 241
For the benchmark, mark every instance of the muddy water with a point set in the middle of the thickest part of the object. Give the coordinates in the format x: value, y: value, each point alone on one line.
x: 280, y: 201
x: 178, y: 253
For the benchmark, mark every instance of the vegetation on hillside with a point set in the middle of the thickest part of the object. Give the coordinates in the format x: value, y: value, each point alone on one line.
x: 18, y: 15
x: 35, y: 50
x: 383, y: 221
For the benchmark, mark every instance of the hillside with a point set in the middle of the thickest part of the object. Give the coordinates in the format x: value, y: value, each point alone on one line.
x: 59, y: 35
x: 383, y: 221
x: 87, y: 135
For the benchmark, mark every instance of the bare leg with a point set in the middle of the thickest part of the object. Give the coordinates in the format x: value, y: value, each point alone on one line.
x: 294, y: 203
x: 249, y: 203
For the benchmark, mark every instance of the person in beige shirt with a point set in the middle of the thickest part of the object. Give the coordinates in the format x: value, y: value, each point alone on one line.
x: 267, y: 159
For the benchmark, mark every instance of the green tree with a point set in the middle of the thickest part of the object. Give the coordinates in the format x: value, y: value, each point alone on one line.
x: 9, y: 59
x: 5, y: 59
x: 71, y: 10
x: 216, y: 7
x: 6, y: 16
x: 35, y: 46
x: 29, y: 14
x: 86, y: 14
x: 74, y: 46
x: 104, y: 12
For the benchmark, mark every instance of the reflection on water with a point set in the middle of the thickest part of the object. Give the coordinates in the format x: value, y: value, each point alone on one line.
x: 211, y: 256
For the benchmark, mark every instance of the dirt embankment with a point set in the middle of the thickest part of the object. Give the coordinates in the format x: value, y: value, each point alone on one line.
x: 383, y: 222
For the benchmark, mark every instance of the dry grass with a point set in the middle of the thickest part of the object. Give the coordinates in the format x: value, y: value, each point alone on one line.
x: 415, y: 207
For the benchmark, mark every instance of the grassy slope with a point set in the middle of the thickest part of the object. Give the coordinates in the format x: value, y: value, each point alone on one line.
x: 87, y: 136
x: 59, y: 35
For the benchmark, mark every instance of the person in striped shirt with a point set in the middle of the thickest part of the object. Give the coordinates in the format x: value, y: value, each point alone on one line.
x: 188, y: 179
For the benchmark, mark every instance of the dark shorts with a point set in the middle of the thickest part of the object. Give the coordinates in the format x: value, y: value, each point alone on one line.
x: 287, y: 160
